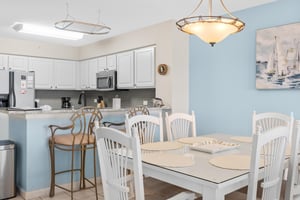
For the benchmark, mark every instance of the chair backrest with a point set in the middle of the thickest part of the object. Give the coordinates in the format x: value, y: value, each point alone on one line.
x: 269, y: 120
x: 114, y: 150
x: 139, y: 110
x: 268, y: 148
x: 293, y: 179
x: 149, y: 127
x: 180, y: 125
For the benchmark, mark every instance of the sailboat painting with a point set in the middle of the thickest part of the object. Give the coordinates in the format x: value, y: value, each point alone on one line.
x: 278, y: 57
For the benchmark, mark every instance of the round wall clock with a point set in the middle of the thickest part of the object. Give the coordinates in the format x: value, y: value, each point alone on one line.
x: 162, y: 69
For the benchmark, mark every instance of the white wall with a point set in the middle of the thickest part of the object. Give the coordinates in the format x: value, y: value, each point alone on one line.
x: 39, y: 49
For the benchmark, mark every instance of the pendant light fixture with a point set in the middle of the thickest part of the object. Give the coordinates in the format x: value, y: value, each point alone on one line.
x: 73, y: 25
x: 211, y: 29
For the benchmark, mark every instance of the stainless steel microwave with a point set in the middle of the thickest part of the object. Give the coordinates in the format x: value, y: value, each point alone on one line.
x: 106, y: 80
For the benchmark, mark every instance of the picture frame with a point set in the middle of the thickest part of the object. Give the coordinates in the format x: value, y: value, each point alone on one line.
x: 278, y: 57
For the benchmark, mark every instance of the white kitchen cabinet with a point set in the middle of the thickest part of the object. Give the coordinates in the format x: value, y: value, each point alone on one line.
x: 88, y: 70
x: 111, y: 62
x: 43, y: 69
x: 18, y: 63
x: 102, y: 64
x: 107, y: 62
x: 144, y: 65
x: 64, y: 74
x: 3, y: 62
x: 136, y: 69
x: 125, y: 70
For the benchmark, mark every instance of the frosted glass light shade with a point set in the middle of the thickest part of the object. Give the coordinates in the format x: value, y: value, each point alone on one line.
x: 211, y: 29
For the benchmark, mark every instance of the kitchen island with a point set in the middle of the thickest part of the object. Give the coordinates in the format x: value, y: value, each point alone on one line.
x: 29, y: 130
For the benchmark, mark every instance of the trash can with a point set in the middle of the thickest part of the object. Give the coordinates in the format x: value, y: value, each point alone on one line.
x: 7, y: 169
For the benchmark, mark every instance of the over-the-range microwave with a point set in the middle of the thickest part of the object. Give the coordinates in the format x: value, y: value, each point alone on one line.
x: 106, y: 80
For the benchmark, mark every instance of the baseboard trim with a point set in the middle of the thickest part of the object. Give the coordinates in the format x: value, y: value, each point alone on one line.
x: 45, y: 191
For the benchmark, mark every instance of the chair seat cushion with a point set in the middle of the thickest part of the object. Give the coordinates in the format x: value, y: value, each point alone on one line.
x: 67, y: 139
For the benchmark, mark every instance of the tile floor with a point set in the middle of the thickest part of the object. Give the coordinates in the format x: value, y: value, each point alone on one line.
x: 154, y: 190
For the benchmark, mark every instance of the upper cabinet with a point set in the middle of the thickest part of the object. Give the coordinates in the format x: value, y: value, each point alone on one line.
x: 43, y: 69
x: 111, y: 62
x: 107, y: 62
x: 88, y: 70
x: 3, y: 62
x: 144, y: 67
x: 19, y: 63
x: 53, y: 74
x: 125, y: 70
x: 64, y: 74
x: 135, y: 69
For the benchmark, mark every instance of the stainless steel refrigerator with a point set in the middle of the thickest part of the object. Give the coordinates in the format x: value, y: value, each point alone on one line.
x: 21, y: 89
x: 18, y: 87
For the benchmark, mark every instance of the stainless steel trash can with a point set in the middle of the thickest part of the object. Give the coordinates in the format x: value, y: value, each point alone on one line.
x: 7, y: 169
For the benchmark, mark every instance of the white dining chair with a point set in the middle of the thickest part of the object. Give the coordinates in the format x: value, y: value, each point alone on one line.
x: 268, y: 151
x: 292, y: 189
x: 268, y: 148
x: 268, y: 120
x: 150, y: 128
x: 180, y: 125
x: 114, y: 150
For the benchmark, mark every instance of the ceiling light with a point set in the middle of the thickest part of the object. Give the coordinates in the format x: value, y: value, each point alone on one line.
x: 211, y: 29
x: 46, y: 31
x: 70, y: 24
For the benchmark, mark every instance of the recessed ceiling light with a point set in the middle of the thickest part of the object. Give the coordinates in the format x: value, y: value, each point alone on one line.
x: 46, y: 31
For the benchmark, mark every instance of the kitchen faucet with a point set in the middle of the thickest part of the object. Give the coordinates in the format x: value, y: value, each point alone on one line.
x: 82, y: 95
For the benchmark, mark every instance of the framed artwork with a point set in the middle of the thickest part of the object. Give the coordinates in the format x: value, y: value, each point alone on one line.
x: 278, y: 57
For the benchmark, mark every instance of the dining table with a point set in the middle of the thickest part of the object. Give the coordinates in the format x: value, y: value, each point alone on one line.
x: 197, y: 171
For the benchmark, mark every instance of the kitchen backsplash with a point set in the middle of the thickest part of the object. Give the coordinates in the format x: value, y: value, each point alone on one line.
x: 129, y: 98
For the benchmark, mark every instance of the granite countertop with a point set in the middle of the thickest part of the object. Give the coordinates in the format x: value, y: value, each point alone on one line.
x: 58, y: 111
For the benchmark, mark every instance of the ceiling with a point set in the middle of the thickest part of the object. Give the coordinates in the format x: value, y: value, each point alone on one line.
x: 121, y: 15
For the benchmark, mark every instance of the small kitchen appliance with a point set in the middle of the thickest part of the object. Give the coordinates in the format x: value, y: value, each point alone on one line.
x: 106, y: 80
x: 65, y: 102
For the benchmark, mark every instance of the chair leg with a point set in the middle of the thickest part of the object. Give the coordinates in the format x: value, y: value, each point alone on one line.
x: 72, y: 173
x: 82, y: 167
x: 95, y: 175
x: 52, y: 165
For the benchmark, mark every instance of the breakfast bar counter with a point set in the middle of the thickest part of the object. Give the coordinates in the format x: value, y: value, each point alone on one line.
x: 29, y: 130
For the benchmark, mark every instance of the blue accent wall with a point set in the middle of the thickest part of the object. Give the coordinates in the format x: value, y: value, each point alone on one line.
x: 222, y: 78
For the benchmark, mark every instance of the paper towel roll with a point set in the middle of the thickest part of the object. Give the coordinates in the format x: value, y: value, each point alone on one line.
x: 116, y: 103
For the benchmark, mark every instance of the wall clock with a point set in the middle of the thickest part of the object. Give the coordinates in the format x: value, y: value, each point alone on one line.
x: 162, y: 69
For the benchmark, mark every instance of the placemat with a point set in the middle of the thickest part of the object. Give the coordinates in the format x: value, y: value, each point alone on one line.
x: 237, y: 162
x: 192, y: 140
x: 161, y: 146
x: 168, y: 159
x: 245, y: 139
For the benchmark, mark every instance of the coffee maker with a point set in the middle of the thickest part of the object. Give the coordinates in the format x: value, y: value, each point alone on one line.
x: 65, y: 102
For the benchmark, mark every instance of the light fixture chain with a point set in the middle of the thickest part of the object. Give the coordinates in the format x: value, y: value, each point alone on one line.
x: 210, y: 8
x: 228, y: 12
x: 197, y: 7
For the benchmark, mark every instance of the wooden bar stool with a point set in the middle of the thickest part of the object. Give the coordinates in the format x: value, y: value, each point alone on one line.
x: 79, y: 136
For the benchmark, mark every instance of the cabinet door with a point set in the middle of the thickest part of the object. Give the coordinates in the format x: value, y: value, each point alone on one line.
x: 93, y: 69
x: 18, y: 63
x: 3, y: 62
x: 43, y: 69
x: 84, y: 74
x: 125, y: 70
x: 64, y: 74
x: 102, y: 63
x: 111, y: 62
x: 144, y: 68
